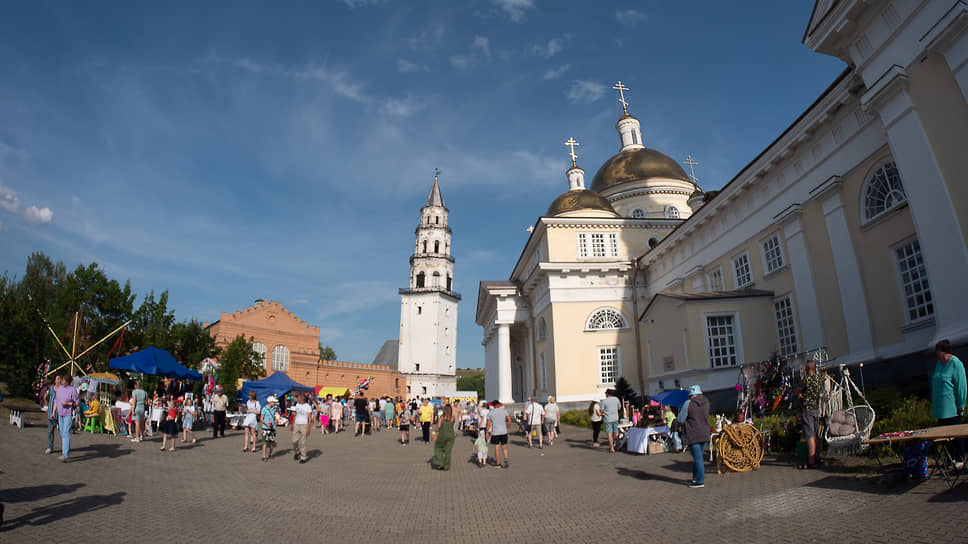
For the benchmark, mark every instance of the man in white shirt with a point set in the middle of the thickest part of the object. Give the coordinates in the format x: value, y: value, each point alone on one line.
x: 300, y: 428
x: 534, y: 415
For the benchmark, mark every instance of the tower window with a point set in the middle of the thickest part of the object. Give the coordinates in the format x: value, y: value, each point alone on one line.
x: 420, y: 280
x: 450, y: 283
x: 419, y: 310
x: 436, y: 246
x: 437, y: 220
x: 653, y: 241
x: 425, y: 246
x: 638, y: 213
x: 635, y: 138
x: 671, y: 212
x: 435, y: 280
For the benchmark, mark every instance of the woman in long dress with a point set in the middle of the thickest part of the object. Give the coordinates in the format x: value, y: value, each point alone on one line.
x: 445, y: 440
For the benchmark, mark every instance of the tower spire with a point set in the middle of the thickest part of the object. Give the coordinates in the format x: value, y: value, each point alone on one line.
x: 434, y: 198
x: 621, y: 96
x: 576, y: 176
x: 629, y: 129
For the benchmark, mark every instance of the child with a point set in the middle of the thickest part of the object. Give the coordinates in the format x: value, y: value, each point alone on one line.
x: 481, y: 445
x: 170, y: 426
x: 187, y: 420
x: 405, y: 416
x: 268, y: 417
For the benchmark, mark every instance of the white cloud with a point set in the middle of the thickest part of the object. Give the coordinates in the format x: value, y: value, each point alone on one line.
x: 515, y: 9
x: 547, y: 50
x: 405, y: 66
x: 401, y: 107
x: 38, y: 216
x: 459, y: 61
x: 353, y: 4
x: 336, y: 80
x: 482, y: 43
x: 630, y: 17
x: 8, y: 199
x: 427, y: 40
x: 557, y: 72
x: 298, y: 301
x: 583, y: 91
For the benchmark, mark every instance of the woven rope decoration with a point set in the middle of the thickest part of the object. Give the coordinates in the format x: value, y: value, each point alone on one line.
x: 740, y: 447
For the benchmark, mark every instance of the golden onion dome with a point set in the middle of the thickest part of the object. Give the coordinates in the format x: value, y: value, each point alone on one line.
x: 636, y: 165
x: 573, y: 201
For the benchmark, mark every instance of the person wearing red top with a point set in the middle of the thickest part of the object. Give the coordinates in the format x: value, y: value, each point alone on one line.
x: 170, y: 426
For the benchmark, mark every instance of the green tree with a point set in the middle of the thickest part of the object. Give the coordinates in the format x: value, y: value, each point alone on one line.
x: 472, y: 382
x: 238, y: 360
x: 624, y: 391
x: 190, y: 343
x: 326, y: 353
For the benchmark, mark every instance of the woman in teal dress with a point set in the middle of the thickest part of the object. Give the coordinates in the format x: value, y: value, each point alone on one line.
x: 949, y: 392
x: 445, y: 440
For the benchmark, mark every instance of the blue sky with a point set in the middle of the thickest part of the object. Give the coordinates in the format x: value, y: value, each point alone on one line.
x: 228, y: 151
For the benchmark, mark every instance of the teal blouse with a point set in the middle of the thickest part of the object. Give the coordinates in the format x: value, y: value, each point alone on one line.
x: 948, y: 388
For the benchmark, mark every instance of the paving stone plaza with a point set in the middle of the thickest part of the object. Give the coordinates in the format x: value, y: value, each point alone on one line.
x: 372, y: 488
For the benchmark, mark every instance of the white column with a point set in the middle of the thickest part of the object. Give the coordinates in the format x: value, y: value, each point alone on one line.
x: 529, y: 385
x: 939, y: 231
x: 504, y: 363
x: 811, y: 330
x: 852, y: 296
x: 490, y: 368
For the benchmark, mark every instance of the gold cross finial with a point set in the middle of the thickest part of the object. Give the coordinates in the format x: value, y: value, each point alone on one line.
x: 621, y: 95
x: 572, y: 143
x: 530, y: 228
x: 691, y: 162
x: 436, y: 173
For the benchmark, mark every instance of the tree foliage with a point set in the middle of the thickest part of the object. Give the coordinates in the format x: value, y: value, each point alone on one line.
x: 472, y: 382
x: 326, y: 353
x: 239, y: 360
x: 624, y: 391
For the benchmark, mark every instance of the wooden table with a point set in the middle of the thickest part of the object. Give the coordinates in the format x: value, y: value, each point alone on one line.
x: 944, y: 463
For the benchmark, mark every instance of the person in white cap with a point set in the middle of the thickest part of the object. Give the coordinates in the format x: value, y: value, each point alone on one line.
x: 268, y: 425
x: 219, y: 404
x: 694, y: 418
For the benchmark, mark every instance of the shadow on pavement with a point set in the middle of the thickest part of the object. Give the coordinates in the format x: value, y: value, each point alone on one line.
x: 643, y: 475
x: 584, y: 444
x: 65, y: 509
x: 312, y: 454
x: 93, y: 451
x: 874, y: 485
x: 26, y: 494
x: 958, y: 493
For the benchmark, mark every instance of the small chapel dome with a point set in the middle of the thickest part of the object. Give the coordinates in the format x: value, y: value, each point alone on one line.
x: 636, y: 165
x: 578, y: 201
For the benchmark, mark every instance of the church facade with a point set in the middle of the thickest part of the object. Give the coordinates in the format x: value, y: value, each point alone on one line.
x: 846, y: 235
x: 427, y: 348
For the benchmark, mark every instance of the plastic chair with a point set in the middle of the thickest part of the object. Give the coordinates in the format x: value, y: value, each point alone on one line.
x: 93, y: 425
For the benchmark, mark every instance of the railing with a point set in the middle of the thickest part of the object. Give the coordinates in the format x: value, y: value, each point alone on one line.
x: 408, y: 291
x: 431, y: 255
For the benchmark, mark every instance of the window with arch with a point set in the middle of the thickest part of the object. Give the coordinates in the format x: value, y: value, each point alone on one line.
x: 436, y: 219
x: 420, y: 280
x: 638, y: 213
x: 883, y: 191
x: 436, y: 246
x: 280, y: 358
x: 653, y: 241
x: 435, y: 280
x: 425, y: 246
x: 450, y: 283
x: 671, y: 212
x: 542, y: 330
x: 605, y: 318
x: 260, y: 348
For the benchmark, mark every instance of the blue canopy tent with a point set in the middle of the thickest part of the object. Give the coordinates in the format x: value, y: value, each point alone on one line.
x: 672, y: 397
x: 278, y: 384
x: 156, y: 362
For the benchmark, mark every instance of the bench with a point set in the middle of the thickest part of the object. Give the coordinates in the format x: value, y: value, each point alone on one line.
x: 17, y: 412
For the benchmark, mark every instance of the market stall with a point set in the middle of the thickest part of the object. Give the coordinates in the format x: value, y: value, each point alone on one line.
x: 156, y: 362
x: 279, y: 384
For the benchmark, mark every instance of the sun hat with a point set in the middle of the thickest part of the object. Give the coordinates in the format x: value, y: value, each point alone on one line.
x: 83, y: 387
x: 695, y: 390
x: 272, y: 398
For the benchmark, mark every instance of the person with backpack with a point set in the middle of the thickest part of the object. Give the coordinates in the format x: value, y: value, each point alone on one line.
x: 694, y: 418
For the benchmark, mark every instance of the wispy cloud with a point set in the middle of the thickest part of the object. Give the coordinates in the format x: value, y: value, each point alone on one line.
x: 10, y: 203
x: 555, y: 73
x: 483, y: 44
x: 298, y: 301
x: 460, y: 61
x: 353, y: 4
x: 427, y: 40
x: 630, y: 17
x: 338, y: 81
x: 357, y: 296
x: 547, y: 50
x: 401, y: 107
x: 515, y: 9
x: 583, y: 91
x: 404, y: 66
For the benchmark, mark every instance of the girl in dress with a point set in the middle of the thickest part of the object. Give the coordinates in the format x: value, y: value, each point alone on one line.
x: 188, y: 420
x: 250, y: 423
x: 170, y: 425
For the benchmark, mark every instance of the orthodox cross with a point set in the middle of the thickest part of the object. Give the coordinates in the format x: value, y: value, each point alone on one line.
x: 572, y: 144
x: 530, y: 228
x: 436, y: 173
x: 691, y: 162
x: 621, y: 93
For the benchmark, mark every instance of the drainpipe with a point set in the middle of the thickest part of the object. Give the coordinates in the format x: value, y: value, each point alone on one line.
x: 635, y: 316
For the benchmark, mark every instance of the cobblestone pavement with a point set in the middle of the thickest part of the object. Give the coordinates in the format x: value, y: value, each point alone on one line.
x: 372, y: 487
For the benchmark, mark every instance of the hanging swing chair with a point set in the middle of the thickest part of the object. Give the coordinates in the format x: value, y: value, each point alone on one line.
x: 848, y: 423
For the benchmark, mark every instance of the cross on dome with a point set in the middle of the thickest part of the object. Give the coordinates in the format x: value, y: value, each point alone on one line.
x: 621, y: 93
x: 690, y: 162
x: 572, y: 143
x: 436, y: 173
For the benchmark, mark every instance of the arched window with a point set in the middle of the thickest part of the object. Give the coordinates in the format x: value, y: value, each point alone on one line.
x: 671, y: 212
x: 883, y: 191
x: 638, y: 213
x: 425, y: 246
x: 653, y: 241
x: 437, y: 220
x: 280, y: 358
x: 542, y: 330
x: 435, y: 280
x: 436, y: 246
x: 420, y: 280
x: 605, y: 318
x: 260, y: 348
x: 450, y: 283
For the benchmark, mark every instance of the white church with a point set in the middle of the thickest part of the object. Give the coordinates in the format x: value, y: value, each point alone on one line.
x: 426, y: 352
x: 847, y: 234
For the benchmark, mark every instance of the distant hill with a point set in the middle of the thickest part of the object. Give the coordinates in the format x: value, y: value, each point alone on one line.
x: 468, y: 372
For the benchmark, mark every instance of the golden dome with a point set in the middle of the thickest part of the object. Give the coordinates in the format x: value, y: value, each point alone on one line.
x: 635, y: 165
x: 574, y: 201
